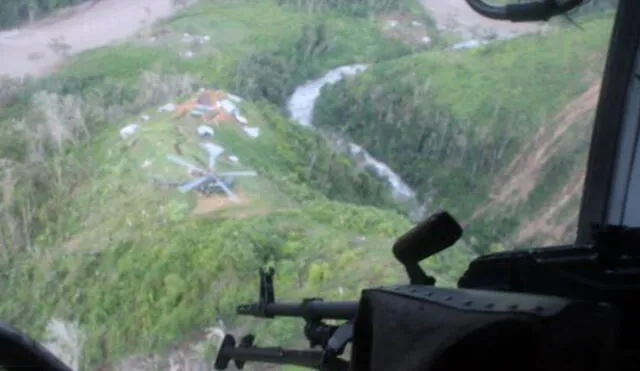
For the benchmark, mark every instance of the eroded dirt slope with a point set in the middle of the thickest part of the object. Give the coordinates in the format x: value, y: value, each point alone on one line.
x: 552, y: 222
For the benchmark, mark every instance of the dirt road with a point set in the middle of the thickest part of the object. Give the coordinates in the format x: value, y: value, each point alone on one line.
x: 456, y: 15
x: 27, y: 50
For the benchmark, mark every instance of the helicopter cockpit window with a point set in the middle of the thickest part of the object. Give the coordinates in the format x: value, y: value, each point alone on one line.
x: 624, y: 198
x: 154, y: 154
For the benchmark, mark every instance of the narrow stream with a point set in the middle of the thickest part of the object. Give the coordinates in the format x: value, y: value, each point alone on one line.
x: 301, y: 104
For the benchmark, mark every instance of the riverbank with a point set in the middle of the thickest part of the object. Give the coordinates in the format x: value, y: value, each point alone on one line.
x: 41, y: 48
x: 300, y: 106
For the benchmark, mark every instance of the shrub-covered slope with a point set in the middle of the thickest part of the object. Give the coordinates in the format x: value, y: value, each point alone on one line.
x: 88, y: 238
x: 452, y: 122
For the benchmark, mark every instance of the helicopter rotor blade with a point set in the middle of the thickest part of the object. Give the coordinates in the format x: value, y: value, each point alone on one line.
x: 213, y: 157
x: 214, y: 152
x: 232, y: 196
x: 193, y: 184
x: 181, y: 161
x: 238, y: 173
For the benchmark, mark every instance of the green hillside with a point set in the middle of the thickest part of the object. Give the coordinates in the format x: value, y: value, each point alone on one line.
x: 450, y: 122
x: 88, y: 237
x: 91, y: 238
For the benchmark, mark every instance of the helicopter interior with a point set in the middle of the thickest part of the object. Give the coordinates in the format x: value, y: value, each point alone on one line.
x: 611, y: 193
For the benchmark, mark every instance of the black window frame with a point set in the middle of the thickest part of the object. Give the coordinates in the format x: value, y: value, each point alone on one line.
x: 607, y: 186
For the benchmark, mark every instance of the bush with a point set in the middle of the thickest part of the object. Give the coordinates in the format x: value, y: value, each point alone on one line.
x: 273, y: 75
x: 359, y: 8
x: 301, y: 160
x: 425, y: 142
x: 450, y: 122
x: 40, y: 172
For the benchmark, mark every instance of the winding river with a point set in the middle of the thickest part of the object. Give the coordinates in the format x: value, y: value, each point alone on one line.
x: 301, y: 104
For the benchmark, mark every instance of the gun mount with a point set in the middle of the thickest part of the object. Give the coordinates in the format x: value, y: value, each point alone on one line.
x: 330, y: 338
x: 433, y: 235
x: 496, y: 290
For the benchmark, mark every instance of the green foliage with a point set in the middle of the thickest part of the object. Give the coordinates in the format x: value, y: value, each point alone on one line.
x: 272, y: 75
x: 140, y: 283
x: 175, y: 279
x: 113, y: 73
x: 358, y: 8
x: 448, y: 122
x: 351, y: 218
x: 299, y: 156
x: 108, y: 78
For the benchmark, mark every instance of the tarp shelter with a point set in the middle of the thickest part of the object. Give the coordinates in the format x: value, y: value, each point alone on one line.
x: 216, y: 106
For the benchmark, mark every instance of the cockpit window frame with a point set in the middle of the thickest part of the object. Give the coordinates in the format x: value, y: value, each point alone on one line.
x: 608, y: 181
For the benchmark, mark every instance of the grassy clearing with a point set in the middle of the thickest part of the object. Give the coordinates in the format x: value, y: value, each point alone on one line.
x: 139, y: 273
x: 127, y: 260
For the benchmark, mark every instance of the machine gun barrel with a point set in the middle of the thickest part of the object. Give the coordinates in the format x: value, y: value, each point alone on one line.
x: 432, y: 236
x: 310, y: 308
x: 314, y: 359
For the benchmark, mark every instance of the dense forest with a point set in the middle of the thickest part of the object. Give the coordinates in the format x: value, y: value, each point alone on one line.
x: 15, y: 12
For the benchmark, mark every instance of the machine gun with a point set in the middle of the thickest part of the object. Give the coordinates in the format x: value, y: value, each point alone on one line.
x: 429, y: 237
x: 332, y: 339
x: 556, y: 305
x: 572, y: 307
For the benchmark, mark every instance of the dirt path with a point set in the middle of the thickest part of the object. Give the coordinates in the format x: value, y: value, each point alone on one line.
x: 98, y: 23
x: 456, y: 15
